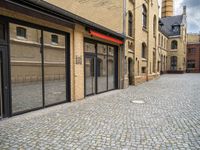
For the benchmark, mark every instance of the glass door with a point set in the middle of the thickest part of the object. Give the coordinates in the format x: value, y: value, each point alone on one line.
x: 90, y: 79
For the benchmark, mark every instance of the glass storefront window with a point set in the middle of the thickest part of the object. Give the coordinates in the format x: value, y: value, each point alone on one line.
x: 90, y: 68
x: 54, y: 69
x: 34, y: 63
x: 111, y: 68
x: 90, y: 48
x: 26, y: 70
x: 102, y: 67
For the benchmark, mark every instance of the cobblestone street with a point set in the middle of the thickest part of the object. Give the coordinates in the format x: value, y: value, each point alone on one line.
x: 169, y: 118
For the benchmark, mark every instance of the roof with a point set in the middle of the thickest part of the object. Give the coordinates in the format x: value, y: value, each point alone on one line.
x: 54, y: 10
x: 169, y: 22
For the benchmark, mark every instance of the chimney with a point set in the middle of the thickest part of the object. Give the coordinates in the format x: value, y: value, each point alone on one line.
x: 167, y: 8
x: 184, y: 10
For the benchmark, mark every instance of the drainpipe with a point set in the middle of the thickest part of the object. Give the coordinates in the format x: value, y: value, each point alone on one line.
x: 148, y: 16
x: 124, y: 33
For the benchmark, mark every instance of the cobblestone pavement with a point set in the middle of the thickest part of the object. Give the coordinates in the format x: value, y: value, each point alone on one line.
x: 169, y: 119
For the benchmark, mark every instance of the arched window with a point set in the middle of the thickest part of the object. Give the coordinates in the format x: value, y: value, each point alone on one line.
x: 174, y: 63
x: 144, y: 16
x: 174, y: 44
x: 144, y: 47
x: 130, y: 24
x: 154, y: 25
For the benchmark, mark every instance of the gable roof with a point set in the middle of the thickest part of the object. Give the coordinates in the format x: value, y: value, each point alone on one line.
x: 169, y: 22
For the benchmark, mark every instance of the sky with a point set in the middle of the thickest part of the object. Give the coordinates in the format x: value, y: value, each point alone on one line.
x: 193, y: 13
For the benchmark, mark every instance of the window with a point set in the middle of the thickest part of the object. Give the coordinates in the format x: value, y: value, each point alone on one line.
x: 174, y: 44
x: 54, y: 39
x: 38, y: 73
x: 130, y: 24
x: 176, y: 29
x: 21, y: 32
x: 191, y: 64
x: 191, y: 50
x: 143, y: 69
x: 173, y: 63
x: 144, y: 16
x: 154, y: 25
x: 143, y: 50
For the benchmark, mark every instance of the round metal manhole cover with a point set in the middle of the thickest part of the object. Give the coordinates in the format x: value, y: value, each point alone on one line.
x: 138, y: 102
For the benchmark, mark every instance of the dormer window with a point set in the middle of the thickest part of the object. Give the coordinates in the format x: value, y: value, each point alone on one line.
x: 176, y: 29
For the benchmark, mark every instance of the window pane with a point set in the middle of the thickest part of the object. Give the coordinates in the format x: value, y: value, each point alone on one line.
x: 54, y: 70
x: 21, y: 32
x: 102, y: 67
x: 26, y: 71
x: 89, y: 75
x: 89, y: 48
x: 111, y: 68
x: 54, y: 39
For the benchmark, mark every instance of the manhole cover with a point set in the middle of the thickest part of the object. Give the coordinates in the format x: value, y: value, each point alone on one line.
x: 138, y: 102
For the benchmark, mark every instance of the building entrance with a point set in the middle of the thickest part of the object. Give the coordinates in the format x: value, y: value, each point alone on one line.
x: 100, y: 67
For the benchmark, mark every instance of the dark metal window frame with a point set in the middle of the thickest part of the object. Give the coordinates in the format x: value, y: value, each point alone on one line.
x: 95, y: 55
x: 9, y: 20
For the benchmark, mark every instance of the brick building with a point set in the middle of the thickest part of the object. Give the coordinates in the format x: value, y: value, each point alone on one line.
x: 53, y: 52
x: 172, y: 39
x: 193, y: 53
x: 50, y: 55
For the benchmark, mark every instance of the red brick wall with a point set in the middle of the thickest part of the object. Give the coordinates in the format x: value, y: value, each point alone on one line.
x: 195, y: 55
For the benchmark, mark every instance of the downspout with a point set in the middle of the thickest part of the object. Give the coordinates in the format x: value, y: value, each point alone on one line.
x: 124, y: 33
x: 148, y: 16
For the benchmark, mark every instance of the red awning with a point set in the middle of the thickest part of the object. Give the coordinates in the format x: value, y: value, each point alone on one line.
x: 105, y: 37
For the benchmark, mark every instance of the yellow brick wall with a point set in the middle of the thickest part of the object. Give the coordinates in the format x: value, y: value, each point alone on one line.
x: 146, y: 36
x: 107, y: 13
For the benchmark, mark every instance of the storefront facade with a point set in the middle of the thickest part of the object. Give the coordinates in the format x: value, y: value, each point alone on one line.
x: 101, y: 67
x: 33, y: 66
x: 45, y: 63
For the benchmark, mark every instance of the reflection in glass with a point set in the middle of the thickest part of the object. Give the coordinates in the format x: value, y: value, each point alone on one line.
x: 26, y: 71
x: 102, y: 67
x: 54, y: 69
x: 111, y: 66
x: 89, y: 73
x: 90, y: 48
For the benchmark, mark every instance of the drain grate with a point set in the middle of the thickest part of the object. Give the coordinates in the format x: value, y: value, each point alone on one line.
x: 138, y: 102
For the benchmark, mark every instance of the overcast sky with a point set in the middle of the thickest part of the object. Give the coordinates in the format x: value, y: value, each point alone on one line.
x: 193, y: 13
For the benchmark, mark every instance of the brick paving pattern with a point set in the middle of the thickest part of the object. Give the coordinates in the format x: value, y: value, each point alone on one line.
x: 169, y: 119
